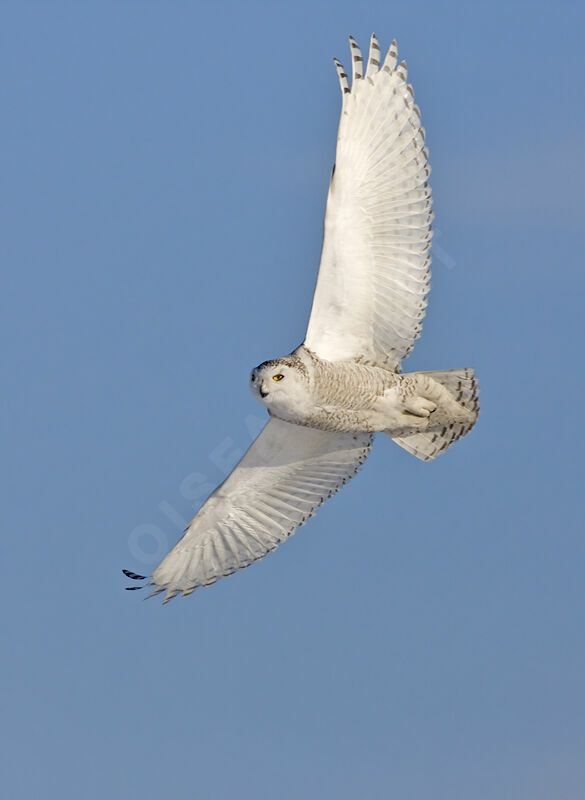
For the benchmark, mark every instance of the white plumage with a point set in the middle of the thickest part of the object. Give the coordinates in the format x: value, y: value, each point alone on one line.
x: 283, y: 478
x: 342, y: 385
x: 374, y: 275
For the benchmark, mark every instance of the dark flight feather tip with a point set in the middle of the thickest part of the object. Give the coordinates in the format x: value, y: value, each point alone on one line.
x: 133, y: 575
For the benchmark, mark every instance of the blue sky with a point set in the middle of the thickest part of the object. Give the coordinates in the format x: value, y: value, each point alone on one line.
x: 164, y: 170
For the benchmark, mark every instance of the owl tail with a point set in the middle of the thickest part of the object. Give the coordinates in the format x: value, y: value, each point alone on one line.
x: 463, y: 386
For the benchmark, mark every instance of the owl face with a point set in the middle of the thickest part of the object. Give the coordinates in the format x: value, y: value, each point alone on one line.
x: 278, y: 386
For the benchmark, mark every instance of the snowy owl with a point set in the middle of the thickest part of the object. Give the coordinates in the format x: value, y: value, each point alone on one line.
x: 328, y: 398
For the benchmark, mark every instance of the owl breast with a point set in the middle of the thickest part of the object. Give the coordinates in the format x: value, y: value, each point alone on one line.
x: 332, y: 396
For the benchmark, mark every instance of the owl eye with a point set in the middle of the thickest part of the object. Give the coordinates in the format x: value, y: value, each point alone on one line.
x: 253, y: 378
x: 278, y: 377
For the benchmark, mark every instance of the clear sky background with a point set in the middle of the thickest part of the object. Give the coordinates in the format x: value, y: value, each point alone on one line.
x: 164, y: 168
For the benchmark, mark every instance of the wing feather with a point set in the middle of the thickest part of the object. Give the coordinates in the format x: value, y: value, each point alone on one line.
x: 374, y: 274
x: 357, y: 62
x: 287, y: 473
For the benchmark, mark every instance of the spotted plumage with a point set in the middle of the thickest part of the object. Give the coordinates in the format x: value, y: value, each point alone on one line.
x: 352, y: 397
x: 328, y: 398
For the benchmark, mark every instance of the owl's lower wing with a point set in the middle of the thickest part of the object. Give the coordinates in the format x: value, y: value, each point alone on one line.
x: 282, y: 479
x: 374, y: 274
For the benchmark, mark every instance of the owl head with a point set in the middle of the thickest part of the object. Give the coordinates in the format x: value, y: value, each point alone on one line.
x: 281, y: 385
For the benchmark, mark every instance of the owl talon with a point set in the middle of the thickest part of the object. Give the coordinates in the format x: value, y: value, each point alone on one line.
x: 420, y: 407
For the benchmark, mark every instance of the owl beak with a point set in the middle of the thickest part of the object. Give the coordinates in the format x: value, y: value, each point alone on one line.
x: 263, y: 392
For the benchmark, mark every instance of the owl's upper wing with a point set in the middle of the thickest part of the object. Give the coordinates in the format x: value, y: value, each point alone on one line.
x: 374, y: 274
x: 285, y: 475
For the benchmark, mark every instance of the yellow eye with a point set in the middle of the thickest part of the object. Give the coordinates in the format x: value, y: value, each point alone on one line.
x: 278, y: 377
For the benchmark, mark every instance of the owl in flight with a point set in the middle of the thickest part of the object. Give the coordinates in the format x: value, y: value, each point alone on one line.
x: 328, y: 398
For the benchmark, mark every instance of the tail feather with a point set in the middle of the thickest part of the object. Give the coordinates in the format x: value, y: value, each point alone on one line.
x: 464, y: 387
